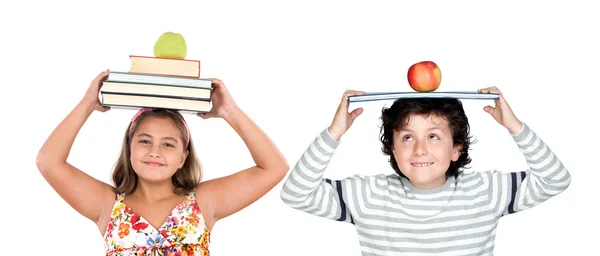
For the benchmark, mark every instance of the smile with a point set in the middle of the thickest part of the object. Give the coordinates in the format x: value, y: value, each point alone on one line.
x: 154, y: 164
x: 421, y: 164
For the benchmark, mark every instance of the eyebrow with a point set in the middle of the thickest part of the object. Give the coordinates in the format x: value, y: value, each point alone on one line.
x: 429, y: 129
x: 165, y: 138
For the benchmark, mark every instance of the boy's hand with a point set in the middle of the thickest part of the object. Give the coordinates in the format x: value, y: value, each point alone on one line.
x: 343, y: 120
x: 501, y: 112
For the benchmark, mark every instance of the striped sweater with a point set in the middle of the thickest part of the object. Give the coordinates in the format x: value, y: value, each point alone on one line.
x: 392, y: 216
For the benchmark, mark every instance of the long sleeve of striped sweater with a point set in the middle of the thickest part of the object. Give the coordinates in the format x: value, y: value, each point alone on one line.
x: 391, y: 216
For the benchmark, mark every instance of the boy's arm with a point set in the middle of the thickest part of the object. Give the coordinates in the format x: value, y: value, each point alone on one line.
x: 305, y: 188
x: 545, y: 178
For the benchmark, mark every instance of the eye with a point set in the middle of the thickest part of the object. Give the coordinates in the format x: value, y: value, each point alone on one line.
x: 169, y: 145
x: 407, y: 137
x: 433, y: 137
x: 144, y: 141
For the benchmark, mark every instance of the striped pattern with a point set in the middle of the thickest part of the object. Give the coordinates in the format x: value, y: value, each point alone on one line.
x: 391, y: 216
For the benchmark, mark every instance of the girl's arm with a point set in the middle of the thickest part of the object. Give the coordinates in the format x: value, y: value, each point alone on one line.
x: 227, y: 195
x: 86, y: 195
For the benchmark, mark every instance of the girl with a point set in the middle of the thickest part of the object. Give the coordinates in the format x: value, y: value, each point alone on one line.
x: 158, y: 206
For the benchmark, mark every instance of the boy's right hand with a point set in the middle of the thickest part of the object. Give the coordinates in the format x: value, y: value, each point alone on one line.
x: 343, y: 120
x: 91, y: 95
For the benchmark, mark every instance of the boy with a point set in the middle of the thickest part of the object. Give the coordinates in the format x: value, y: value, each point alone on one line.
x: 430, y: 206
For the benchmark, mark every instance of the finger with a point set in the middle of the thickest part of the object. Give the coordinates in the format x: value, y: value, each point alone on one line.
x: 353, y: 92
x: 494, y: 89
x: 489, y: 109
x: 491, y: 89
x: 101, y: 108
x: 355, y: 113
x: 484, y: 90
x: 205, y: 115
x: 345, y: 95
x: 349, y: 93
x: 105, y: 74
x: 344, y: 100
x: 216, y: 81
x: 500, y: 101
x: 102, y: 75
x: 356, y: 93
x: 218, y: 84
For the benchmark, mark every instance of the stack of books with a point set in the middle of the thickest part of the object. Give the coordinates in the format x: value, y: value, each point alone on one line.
x: 158, y: 83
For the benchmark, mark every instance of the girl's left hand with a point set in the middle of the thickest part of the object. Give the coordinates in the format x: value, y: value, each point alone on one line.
x: 222, y: 102
x: 501, y: 111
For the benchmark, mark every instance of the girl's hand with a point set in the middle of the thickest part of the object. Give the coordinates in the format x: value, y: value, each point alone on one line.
x: 91, y: 95
x: 222, y: 101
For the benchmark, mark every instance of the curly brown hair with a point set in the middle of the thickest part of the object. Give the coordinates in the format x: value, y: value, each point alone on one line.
x: 397, y: 116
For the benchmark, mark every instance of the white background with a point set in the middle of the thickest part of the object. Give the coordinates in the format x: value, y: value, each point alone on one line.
x: 287, y: 65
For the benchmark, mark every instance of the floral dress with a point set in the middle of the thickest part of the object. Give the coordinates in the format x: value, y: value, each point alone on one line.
x: 183, y: 233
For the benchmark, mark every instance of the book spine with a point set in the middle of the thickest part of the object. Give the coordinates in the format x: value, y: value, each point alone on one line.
x: 129, y: 107
x: 157, y: 84
x: 158, y: 96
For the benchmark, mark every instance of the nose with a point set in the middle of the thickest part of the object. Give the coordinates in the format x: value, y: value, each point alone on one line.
x: 420, y: 148
x: 155, y: 151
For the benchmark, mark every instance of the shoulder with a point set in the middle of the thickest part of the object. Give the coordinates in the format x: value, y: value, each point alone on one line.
x: 476, y: 179
x: 367, y: 180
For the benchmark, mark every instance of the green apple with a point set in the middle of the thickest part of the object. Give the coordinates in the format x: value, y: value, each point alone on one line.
x: 170, y: 45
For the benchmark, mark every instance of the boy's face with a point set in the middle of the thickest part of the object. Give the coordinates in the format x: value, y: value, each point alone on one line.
x: 424, y: 149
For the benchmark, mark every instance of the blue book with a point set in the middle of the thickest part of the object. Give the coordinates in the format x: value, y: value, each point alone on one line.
x: 374, y: 96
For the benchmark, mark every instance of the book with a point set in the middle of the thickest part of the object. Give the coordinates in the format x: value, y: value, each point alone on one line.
x: 374, y: 96
x: 164, y: 66
x: 158, y: 90
x: 143, y: 78
x: 184, y: 104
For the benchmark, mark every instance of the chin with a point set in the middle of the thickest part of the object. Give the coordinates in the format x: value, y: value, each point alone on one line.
x: 154, y: 175
x: 426, y: 180
x: 154, y: 178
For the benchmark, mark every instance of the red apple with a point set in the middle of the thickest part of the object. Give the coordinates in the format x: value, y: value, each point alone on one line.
x: 424, y: 76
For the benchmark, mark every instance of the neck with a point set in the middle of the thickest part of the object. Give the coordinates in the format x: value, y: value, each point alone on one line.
x: 427, y: 189
x: 428, y: 186
x: 154, y: 191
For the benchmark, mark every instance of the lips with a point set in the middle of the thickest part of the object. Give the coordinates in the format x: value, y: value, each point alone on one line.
x: 154, y: 164
x: 422, y: 164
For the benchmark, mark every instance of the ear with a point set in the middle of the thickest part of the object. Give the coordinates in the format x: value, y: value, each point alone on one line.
x: 456, y: 152
x: 183, y: 158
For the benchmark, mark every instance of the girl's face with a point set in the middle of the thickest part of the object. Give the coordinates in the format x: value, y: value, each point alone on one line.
x: 424, y: 149
x: 157, y: 149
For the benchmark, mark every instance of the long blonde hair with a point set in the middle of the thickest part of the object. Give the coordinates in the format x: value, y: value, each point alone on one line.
x: 185, y: 180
